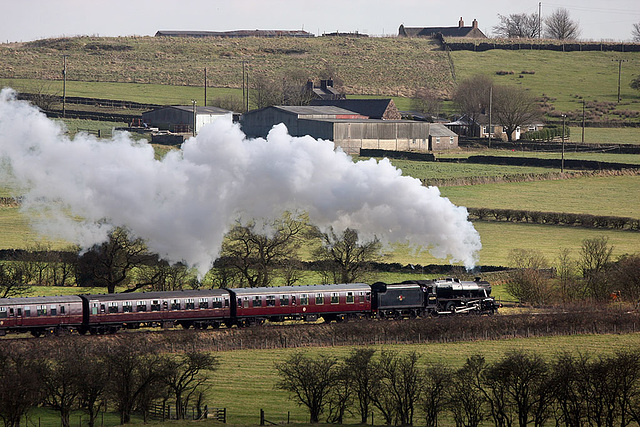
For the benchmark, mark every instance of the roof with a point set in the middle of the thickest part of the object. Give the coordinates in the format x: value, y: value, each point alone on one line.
x: 199, y: 110
x: 307, y: 289
x: 130, y: 296
x: 235, y: 33
x: 373, y: 108
x: 39, y: 300
x: 438, y: 129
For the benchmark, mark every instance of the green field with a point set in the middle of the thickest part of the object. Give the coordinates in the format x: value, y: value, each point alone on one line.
x: 599, y: 155
x: 245, y: 379
x: 615, y: 195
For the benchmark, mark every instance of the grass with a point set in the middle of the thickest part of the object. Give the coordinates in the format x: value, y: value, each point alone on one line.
x: 609, y: 156
x: 630, y: 135
x: 245, y: 380
x: 615, y: 195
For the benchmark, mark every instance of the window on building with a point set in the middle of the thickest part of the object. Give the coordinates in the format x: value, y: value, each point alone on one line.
x: 451, y: 140
x: 437, y: 140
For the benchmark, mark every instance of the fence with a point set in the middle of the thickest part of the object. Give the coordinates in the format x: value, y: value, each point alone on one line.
x: 163, y: 411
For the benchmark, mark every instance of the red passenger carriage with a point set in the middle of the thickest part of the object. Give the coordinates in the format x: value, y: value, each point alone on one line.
x: 331, y: 302
x: 39, y: 315
x: 197, y: 308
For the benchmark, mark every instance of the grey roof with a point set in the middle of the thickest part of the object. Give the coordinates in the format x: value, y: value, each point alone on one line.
x: 40, y: 300
x: 373, y: 108
x: 438, y: 129
x: 306, y: 289
x: 310, y: 110
x: 199, y: 110
x: 190, y: 293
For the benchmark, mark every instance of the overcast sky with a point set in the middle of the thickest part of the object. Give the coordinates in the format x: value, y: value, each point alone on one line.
x: 25, y: 20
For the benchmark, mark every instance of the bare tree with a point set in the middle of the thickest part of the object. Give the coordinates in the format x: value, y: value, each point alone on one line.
x: 567, y: 271
x: 635, y: 33
x: 467, y: 394
x: 185, y: 376
x: 265, y: 92
x: 347, y: 257
x: 255, y: 251
x: 472, y: 96
x: 527, y: 282
x: 112, y: 263
x: 93, y: 378
x: 12, y: 279
x: 361, y: 366
x: 560, y: 26
x: 427, y: 101
x: 61, y: 382
x: 595, y: 256
x: 310, y: 381
x: 437, y: 383
x: 518, y: 25
x: 514, y: 107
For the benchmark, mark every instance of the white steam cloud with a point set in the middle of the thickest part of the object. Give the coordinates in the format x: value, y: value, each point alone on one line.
x: 79, y: 189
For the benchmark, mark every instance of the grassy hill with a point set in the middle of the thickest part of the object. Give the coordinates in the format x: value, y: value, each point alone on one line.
x: 167, y: 70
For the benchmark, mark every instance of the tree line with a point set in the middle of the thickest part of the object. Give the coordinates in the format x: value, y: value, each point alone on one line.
x: 249, y: 258
x: 124, y: 373
x: 519, y: 389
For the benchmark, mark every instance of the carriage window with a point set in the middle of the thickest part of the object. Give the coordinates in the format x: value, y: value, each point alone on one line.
x: 27, y: 312
x: 361, y: 297
x: 350, y: 299
x: 368, y: 296
x: 41, y: 310
x: 284, y: 300
x: 319, y: 299
x: 203, y: 303
x: 62, y: 309
x: 335, y: 298
x: 190, y: 304
x: 175, y: 304
x: 3, y: 312
x: 113, y: 307
x: 271, y: 301
x: 226, y: 302
x: 54, y: 310
x: 155, y: 305
x: 304, y: 299
x: 217, y: 302
x: 257, y: 301
x: 127, y: 307
x: 142, y: 306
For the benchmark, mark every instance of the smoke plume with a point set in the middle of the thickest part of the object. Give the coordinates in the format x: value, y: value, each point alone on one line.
x: 79, y: 189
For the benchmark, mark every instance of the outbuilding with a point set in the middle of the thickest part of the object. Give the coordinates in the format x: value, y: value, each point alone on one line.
x: 181, y: 118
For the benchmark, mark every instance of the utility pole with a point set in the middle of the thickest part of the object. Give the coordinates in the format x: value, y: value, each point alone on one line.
x: 562, y: 162
x: 193, y: 101
x: 620, y: 61
x: 205, y: 86
x: 490, y: 107
x: 64, y: 85
x: 583, y: 118
x: 539, y: 20
x: 243, y: 85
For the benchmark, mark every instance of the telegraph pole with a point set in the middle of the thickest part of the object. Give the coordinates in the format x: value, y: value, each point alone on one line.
x: 193, y: 101
x: 205, y: 86
x: 539, y: 20
x: 562, y: 162
x: 64, y: 84
x: 620, y: 61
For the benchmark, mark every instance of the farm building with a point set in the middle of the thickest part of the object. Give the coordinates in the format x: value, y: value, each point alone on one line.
x: 383, y: 109
x: 325, y: 91
x: 180, y: 118
x: 464, y: 126
x: 460, y: 31
x: 349, y: 130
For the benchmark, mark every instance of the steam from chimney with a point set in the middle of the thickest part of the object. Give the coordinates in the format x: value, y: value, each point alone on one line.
x: 79, y: 189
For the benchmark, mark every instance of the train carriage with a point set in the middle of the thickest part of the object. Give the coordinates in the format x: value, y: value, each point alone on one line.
x: 40, y: 315
x: 331, y: 302
x: 197, y: 308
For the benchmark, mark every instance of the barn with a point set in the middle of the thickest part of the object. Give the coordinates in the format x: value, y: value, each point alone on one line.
x: 349, y: 130
x: 181, y: 118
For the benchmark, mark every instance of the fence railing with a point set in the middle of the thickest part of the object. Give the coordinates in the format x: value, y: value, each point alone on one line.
x: 163, y: 411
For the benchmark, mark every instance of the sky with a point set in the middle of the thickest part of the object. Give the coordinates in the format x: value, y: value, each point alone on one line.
x: 26, y: 20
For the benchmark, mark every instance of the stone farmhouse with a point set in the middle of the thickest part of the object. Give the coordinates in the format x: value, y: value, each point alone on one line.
x: 460, y: 31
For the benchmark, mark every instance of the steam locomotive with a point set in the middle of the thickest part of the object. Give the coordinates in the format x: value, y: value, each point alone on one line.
x: 200, y: 309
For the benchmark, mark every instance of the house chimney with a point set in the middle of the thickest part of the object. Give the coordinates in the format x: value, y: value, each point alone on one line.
x: 475, y: 23
x: 323, y: 84
x: 461, y: 23
x: 309, y: 85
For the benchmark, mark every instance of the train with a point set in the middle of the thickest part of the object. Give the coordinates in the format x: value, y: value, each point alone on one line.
x: 243, y: 307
